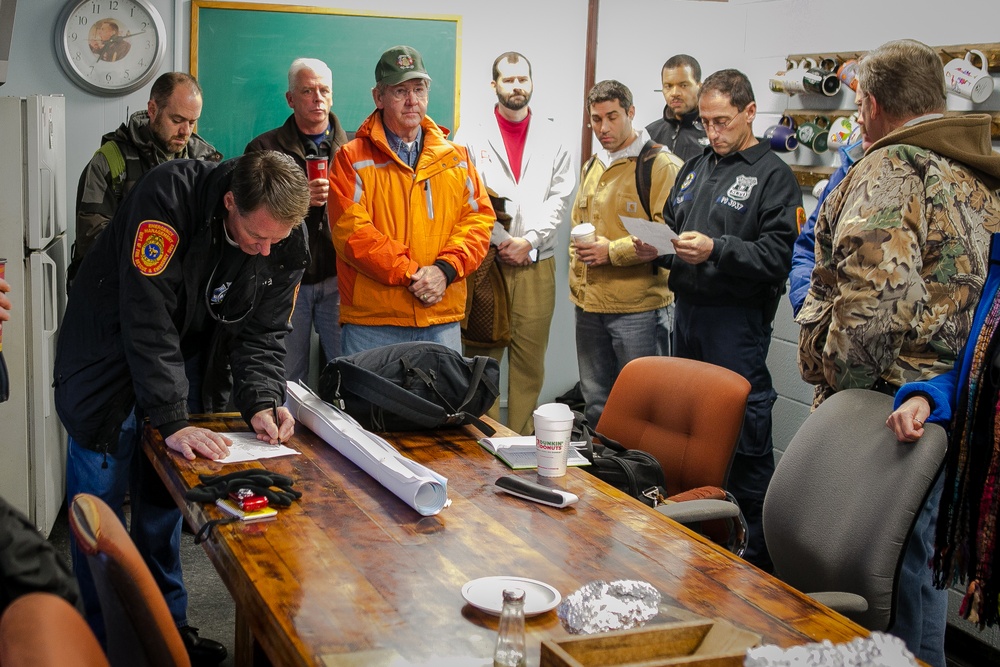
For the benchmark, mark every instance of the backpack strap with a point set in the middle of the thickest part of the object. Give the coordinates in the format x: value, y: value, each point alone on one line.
x: 116, y: 162
x: 378, y: 391
x: 644, y: 174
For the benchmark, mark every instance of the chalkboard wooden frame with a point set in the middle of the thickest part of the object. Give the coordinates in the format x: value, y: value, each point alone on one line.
x: 240, y: 53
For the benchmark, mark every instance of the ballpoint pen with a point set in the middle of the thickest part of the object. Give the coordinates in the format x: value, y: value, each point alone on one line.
x: 274, y: 407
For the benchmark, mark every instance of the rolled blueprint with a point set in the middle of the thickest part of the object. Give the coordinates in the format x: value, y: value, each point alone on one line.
x: 417, y: 485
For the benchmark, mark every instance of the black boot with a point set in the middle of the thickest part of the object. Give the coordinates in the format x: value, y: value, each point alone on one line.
x: 202, y: 651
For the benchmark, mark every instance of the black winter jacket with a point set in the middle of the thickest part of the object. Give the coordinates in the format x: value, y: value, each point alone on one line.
x: 120, y: 342
x: 287, y: 139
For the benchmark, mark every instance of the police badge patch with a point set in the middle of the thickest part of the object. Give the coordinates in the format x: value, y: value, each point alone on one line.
x: 155, y: 243
x: 740, y: 190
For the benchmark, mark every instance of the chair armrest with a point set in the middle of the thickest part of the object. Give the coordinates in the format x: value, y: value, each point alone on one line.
x: 699, y: 493
x: 692, y: 511
x: 845, y: 603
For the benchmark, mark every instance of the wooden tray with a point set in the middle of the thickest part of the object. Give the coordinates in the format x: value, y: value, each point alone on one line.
x: 696, y: 643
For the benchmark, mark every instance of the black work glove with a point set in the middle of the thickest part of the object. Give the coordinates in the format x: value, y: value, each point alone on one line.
x: 259, y: 481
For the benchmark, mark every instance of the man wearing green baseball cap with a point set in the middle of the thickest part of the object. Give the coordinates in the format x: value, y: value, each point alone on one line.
x: 410, y: 218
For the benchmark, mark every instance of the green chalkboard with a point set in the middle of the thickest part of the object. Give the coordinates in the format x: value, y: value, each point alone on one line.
x: 240, y: 53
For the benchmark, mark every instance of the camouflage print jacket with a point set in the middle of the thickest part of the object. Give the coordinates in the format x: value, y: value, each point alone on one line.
x: 902, y: 249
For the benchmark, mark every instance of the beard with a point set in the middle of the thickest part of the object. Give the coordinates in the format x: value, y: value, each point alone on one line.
x: 513, y: 104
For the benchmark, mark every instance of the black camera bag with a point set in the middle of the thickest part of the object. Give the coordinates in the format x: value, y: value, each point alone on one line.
x: 412, y: 386
x: 630, y: 470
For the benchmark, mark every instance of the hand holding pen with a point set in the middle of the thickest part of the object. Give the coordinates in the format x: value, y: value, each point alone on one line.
x: 274, y: 425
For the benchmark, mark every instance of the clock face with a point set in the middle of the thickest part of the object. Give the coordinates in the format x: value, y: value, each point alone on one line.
x: 110, y: 47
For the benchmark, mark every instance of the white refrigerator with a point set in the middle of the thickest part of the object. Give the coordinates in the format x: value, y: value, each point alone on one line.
x: 33, y: 240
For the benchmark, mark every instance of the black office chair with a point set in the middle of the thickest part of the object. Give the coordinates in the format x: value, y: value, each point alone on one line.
x: 842, y: 503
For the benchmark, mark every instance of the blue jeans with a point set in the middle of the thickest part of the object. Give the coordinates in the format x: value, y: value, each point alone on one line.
x: 665, y: 331
x: 155, y: 521
x: 356, y: 338
x: 317, y: 305
x: 922, y: 609
x: 604, y: 344
x: 737, y: 338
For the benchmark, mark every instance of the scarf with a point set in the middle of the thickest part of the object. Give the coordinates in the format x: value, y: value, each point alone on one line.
x: 967, y: 520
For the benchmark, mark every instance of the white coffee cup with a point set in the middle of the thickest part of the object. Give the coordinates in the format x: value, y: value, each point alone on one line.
x: 963, y: 78
x: 553, y: 427
x: 583, y: 233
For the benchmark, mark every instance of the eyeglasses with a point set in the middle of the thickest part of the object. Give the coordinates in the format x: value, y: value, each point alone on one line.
x: 401, y: 93
x: 719, y: 125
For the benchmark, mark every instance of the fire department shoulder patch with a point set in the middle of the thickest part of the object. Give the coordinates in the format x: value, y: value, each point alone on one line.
x: 155, y: 243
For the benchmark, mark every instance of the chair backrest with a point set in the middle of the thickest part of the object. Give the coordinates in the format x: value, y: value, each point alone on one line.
x: 140, y: 630
x: 843, y: 500
x: 686, y: 413
x: 43, y: 630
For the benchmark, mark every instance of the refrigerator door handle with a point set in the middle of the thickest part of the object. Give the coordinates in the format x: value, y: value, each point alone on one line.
x: 48, y: 213
x: 50, y: 319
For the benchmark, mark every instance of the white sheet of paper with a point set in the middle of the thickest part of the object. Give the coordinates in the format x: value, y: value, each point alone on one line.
x: 654, y: 233
x: 246, y: 447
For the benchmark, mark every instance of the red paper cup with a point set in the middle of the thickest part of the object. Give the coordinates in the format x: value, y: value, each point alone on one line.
x: 316, y: 168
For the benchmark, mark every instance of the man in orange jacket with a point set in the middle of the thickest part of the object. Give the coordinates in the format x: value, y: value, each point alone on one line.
x: 411, y: 218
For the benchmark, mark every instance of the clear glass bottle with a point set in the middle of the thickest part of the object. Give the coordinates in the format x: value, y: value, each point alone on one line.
x: 511, y: 650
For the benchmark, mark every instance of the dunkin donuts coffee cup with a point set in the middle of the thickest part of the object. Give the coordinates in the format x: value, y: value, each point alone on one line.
x: 316, y: 168
x: 583, y: 233
x: 553, y: 427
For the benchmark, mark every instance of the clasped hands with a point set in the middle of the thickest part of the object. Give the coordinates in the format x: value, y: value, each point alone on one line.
x: 428, y: 285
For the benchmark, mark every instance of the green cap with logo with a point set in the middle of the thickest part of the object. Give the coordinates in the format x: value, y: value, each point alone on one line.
x: 399, y: 64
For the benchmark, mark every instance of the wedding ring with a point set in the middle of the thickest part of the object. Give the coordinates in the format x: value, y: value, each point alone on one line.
x: 425, y: 297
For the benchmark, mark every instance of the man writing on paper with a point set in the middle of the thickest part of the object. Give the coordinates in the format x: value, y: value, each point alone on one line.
x: 195, y: 274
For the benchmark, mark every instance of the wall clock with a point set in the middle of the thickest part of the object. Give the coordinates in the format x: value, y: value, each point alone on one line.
x: 109, y: 47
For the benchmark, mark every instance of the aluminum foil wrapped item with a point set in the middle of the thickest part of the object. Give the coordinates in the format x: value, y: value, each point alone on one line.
x: 601, y: 606
x: 877, y: 650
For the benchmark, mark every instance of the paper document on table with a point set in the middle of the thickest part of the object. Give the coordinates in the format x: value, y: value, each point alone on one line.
x: 246, y: 447
x: 415, y: 484
x: 654, y: 233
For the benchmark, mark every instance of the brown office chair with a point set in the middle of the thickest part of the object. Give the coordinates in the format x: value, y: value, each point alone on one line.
x: 140, y: 630
x: 43, y: 630
x: 688, y: 414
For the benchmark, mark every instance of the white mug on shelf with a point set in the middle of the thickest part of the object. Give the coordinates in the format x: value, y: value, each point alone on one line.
x: 965, y: 79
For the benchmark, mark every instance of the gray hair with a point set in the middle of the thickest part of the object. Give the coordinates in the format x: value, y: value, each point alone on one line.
x: 318, y: 66
x: 905, y: 77
x: 274, y: 181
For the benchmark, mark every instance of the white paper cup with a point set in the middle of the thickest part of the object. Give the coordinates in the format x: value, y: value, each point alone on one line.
x: 583, y: 233
x: 553, y: 427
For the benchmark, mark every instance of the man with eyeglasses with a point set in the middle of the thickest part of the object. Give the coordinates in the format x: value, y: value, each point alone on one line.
x: 736, y: 210
x: 411, y: 218
x: 617, y: 295
x: 194, y: 276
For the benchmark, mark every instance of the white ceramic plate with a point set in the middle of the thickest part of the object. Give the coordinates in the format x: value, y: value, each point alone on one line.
x: 486, y: 594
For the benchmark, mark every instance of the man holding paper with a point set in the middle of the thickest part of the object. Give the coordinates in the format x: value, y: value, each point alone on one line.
x: 617, y: 294
x: 736, y: 209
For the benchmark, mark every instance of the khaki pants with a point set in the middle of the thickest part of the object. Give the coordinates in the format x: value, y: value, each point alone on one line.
x: 532, y: 292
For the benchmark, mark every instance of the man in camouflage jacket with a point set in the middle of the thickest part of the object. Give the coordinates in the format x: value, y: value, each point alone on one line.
x: 902, y: 248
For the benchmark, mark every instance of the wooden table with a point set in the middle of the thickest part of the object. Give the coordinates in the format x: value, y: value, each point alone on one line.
x: 351, y: 575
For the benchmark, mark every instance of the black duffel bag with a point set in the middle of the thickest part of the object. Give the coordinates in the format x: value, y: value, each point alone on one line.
x: 412, y: 386
x: 633, y: 471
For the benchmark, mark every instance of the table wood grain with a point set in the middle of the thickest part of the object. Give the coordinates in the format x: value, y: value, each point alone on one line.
x: 351, y: 575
